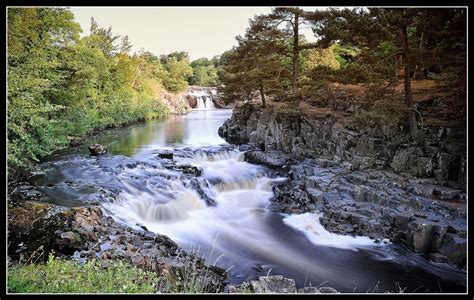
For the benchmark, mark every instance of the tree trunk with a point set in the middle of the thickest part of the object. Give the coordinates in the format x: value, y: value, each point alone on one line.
x: 418, y: 74
x: 262, y: 95
x: 407, y: 81
x: 399, y: 66
x: 295, y: 55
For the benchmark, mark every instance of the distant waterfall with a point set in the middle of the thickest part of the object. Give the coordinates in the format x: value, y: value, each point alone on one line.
x: 204, y: 102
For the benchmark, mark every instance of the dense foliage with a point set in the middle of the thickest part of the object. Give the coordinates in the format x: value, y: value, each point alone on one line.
x: 62, y: 86
x: 377, y: 47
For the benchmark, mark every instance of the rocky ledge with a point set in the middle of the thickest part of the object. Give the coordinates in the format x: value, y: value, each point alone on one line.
x: 439, y: 153
x: 418, y: 201
x: 277, y: 284
x: 87, y: 233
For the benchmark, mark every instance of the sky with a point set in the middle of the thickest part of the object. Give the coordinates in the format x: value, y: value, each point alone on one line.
x: 200, y: 31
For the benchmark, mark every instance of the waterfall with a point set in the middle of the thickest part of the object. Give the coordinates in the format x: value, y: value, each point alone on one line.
x: 204, y: 100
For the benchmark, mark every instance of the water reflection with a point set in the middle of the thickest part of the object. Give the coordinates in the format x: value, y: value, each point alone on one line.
x: 198, y: 128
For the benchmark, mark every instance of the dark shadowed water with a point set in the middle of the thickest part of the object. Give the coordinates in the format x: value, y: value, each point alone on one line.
x: 239, y: 233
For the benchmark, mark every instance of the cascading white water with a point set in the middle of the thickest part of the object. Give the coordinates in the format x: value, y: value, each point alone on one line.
x: 237, y: 223
x: 309, y: 224
x: 204, y: 100
x: 241, y: 229
x: 204, y: 103
x: 242, y: 193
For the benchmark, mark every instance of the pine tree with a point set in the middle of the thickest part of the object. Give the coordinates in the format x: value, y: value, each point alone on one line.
x: 255, y: 65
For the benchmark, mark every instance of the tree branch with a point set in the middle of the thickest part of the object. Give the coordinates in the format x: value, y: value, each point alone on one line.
x: 392, y: 54
x: 309, y: 46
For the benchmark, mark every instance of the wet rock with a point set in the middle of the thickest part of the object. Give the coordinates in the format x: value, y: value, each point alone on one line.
x: 105, y: 264
x: 166, y: 155
x: 454, y: 247
x: 446, y: 193
x: 166, y: 241
x: 70, y: 239
x: 288, y: 198
x: 97, y: 149
x: 247, y: 147
x: 419, y: 234
x: 273, y: 284
x: 309, y: 290
x: 137, y: 260
x: 184, y: 168
x: 272, y: 159
x: 188, y: 169
x: 258, y: 268
x: 438, y: 258
x: 149, y: 235
x: 327, y: 290
x: 198, y: 185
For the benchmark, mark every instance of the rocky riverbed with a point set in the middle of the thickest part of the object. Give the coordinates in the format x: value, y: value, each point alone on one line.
x: 360, y: 193
x: 84, y: 207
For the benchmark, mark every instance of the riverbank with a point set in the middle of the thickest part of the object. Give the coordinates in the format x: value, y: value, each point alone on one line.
x: 371, y: 183
x: 37, y: 232
x: 193, y: 193
x: 37, y: 229
x: 175, y: 103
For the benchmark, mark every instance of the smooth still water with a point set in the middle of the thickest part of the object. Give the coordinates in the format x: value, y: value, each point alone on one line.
x: 239, y: 233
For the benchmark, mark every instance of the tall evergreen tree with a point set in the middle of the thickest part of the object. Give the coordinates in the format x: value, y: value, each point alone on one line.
x: 255, y: 65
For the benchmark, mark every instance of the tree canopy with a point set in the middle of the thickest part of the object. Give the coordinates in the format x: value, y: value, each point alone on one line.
x: 374, y: 47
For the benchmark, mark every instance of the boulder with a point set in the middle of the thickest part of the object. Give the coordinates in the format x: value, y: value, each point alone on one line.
x: 272, y: 159
x: 454, y: 247
x: 166, y: 155
x: 191, y: 170
x: 309, y: 290
x: 327, y: 290
x: 419, y: 233
x: 438, y: 258
x: 273, y: 284
x: 97, y: 149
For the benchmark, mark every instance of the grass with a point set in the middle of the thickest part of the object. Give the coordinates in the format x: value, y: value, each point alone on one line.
x: 67, y: 276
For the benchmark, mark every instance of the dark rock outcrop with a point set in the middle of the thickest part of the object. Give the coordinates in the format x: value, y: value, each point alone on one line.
x: 166, y: 155
x: 441, y: 156
x: 363, y: 181
x: 378, y: 204
x: 97, y: 149
x: 274, y: 160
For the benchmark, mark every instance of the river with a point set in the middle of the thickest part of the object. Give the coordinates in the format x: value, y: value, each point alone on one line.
x: 239, y: 233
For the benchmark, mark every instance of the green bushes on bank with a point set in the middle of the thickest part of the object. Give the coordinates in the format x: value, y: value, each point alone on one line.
x: 61, y: 86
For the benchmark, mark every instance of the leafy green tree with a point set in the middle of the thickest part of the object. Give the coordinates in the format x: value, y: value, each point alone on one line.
x: 61, y: 86
x: 178, y: 71
x: 204, y: 72
x: 178, y: 55
x: 36, y: 39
